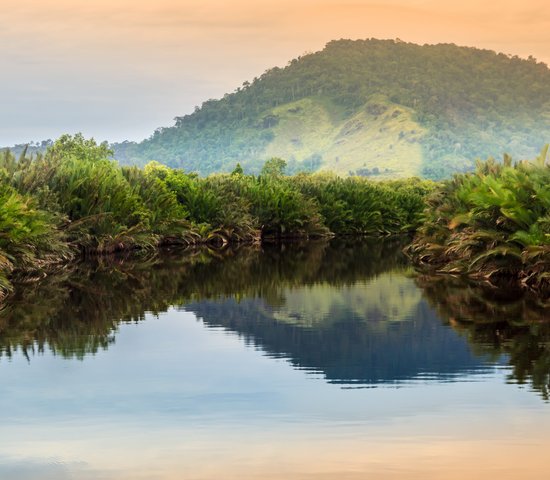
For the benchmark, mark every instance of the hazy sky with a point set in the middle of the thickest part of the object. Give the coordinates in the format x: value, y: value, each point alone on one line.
x: 117, y: 69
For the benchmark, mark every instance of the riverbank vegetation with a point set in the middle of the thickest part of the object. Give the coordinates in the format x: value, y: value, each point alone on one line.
x: 75, y: 200
x: 492, y: 225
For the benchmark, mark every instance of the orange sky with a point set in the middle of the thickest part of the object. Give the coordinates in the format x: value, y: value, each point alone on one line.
x: 117, y: 69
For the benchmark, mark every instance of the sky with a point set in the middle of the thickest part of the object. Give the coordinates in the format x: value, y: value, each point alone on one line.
x: 118, y: 69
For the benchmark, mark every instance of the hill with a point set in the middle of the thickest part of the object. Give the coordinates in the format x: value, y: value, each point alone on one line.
x: 371, y: 107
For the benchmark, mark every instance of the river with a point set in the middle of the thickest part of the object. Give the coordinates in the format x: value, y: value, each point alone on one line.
x: 325, y: 360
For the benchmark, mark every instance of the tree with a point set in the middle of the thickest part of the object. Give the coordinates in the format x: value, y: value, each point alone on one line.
x: 274, y: 167
x: 238, y: 170
x: 81, y: 148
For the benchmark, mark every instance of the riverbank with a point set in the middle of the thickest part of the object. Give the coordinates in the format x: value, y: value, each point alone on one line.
x: 492, y: 225
x: 75, y: 201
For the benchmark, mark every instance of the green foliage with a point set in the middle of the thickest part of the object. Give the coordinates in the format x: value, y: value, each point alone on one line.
x: 238, y: 170
x: 379, y: 107
x: 274, y: 167
x: 164, y: 214
x: 73, y: 199
x: 79, y: 147
x: 281, y: 209
x: 28, y: 237
x: 239, y: 206
x: 357, y: 205
x: 493, y: 224
x: 214, y: 205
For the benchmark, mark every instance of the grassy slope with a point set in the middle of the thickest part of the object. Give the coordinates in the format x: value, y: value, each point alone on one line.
x: 380, y: 135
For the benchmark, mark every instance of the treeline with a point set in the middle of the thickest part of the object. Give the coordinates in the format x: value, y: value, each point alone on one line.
x: 492, y: 225
x: 75, y: 200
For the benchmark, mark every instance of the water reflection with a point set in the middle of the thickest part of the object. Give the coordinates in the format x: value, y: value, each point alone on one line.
x: 368, y: 349
x: 497, y: 322
x: 351, y: 311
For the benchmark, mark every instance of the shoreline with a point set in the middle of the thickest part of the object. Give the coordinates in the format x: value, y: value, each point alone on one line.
x: 424, y: 273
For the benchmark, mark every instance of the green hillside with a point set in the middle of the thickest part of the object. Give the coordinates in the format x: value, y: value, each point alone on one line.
x: 311, y: 136
x: 380, y: 108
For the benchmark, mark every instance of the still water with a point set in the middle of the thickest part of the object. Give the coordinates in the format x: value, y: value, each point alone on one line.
x: 321, y: 360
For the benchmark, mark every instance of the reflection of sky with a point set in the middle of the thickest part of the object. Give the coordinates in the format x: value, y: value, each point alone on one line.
x: 171, y: 399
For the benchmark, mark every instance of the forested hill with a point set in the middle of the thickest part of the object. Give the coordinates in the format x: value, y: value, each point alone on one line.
x: 381, y: 108
x: 372, y: 107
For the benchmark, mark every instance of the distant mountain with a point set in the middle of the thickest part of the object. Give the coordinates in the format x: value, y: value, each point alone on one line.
x: 381, y: 108
x: 372, y: 107
x: 31, y: 148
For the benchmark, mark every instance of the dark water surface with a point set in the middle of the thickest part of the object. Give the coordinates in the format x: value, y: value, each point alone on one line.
x: 325, y: 361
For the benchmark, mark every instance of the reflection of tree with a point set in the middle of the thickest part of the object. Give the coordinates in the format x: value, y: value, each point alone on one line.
x: 77, y: 311
x: 496, y: 323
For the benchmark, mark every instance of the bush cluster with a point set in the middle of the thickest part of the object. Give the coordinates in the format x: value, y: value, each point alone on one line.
x: 493, y: 224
